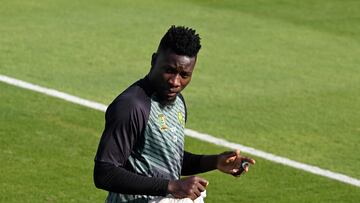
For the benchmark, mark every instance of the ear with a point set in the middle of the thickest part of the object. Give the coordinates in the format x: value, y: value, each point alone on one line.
x: 153, y: 59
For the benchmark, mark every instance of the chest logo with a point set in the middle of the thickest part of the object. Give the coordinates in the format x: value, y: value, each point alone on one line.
x: 162, y: 122
x: 181, y: 118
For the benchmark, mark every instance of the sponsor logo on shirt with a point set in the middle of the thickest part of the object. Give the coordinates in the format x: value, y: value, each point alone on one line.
x: 181, y: 118
x: 162, y: 122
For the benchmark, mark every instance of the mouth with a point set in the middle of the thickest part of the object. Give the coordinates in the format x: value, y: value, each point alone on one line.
x: 171, y: 94
x: 168, y: 95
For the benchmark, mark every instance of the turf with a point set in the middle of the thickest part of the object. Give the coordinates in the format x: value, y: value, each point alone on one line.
x: 47, y: 156
x: 46, y: 153
x: 281, y: 76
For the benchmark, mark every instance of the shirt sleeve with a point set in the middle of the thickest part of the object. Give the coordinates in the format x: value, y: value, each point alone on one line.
x: 191, y: 164
x: 118, y: 179
x: 195, y: 163
x: 126, y: 120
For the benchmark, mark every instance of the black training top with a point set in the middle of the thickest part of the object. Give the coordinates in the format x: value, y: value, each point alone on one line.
x: 142, y: 146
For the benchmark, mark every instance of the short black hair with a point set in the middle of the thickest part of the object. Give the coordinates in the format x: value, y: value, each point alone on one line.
x: 181, y: 40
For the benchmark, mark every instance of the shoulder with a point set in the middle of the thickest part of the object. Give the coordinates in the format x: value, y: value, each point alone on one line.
x: 136, y: 99
x: 185, y: 108
x: 182, y: 99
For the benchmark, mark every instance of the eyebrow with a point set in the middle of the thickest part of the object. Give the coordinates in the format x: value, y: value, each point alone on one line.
x: 175, y: 68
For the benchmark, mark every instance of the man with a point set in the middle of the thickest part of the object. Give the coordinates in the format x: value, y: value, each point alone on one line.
x: 141, y: 152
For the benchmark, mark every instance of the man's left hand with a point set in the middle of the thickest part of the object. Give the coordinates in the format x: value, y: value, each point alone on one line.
x: 231, y: 162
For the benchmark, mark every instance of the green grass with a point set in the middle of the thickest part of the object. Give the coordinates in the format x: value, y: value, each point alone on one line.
x: 48, y: 146
x: 281, y: 76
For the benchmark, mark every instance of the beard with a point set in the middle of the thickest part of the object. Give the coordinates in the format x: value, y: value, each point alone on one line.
x: 166, y: 100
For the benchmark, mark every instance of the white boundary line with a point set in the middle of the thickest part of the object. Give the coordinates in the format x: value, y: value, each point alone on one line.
x: 201, y: 136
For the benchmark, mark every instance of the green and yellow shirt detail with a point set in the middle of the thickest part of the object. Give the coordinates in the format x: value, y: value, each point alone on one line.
x: 160, y: 152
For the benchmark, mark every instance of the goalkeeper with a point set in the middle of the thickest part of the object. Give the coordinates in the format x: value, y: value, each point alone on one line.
x: 141, y: 154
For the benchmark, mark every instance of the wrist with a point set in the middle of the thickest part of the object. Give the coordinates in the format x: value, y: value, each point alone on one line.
x: 170, y: 187
x: 210, y: 162
x: 217, y: 161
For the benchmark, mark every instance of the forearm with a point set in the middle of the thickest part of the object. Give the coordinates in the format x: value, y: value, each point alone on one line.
x: 194, y: 164
x: 120, y: 180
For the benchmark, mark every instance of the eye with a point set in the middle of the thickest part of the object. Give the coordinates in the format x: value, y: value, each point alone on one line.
x: 185, y: 75
x: 170, y: 70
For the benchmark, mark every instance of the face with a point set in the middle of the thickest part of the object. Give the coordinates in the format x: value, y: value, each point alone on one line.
x: 170, y: 74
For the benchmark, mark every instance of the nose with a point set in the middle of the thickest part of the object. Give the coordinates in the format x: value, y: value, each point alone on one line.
x: 175, y: 80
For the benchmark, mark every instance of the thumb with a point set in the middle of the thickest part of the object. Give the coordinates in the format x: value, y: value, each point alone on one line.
x: 203, y: 182
x: 231, y: 155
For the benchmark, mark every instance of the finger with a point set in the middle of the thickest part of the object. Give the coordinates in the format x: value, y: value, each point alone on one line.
x: 234, y: 170
x: 230, y: 156
x: 200, y: 187
x: 237, y: 152
x: 230, y: 160
x: 196, y: 192
x: 247, y: 159
x: 237, y: 163
x: 244, y: 167
x: 234, y: 160
x: 238, y: 173
x: 203, y: 182
x: 193, y: 196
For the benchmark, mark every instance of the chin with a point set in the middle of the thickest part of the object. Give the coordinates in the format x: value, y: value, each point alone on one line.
x: 171, y: 99
x: 168, y: 100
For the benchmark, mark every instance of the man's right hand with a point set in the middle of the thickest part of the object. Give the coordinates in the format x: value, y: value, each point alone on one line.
x: 189, y: 187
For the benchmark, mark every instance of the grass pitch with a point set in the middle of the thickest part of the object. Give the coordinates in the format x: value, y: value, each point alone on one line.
x: 280, y: 76
x: 47, y: 156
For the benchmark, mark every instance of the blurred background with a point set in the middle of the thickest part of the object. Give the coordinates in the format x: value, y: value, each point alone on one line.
x: 280, y: 76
